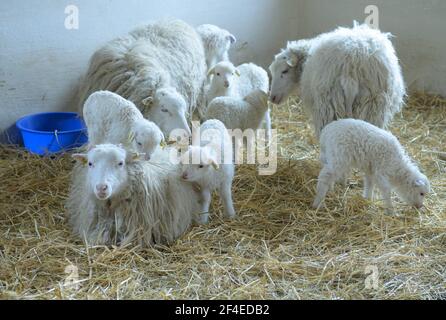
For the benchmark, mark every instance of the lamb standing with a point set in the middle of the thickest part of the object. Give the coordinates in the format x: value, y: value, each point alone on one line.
x: 116, y: 199
x: 240, y: 113
x: 355, y: 144
x: 162, y: 54
x: 230, y: 81
x: 210, y: 166
x: 346, y: 73
x: 112, y: 119
x: 216, y: 42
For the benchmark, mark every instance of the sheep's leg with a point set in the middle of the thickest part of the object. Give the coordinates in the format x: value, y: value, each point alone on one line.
x: 325, y: 180
x: 386, y: 192
x: 205, y: 204
x: 368, y: 187
x: 226, y: 199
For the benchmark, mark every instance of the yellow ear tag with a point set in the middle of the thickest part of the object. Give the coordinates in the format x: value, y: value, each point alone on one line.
x: 163, y: 144
x: 237, y: 73
x: 215, y: 166
x: 131, y: 137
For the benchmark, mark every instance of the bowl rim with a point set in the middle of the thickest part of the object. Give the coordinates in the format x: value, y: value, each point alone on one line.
x: 22, y: 128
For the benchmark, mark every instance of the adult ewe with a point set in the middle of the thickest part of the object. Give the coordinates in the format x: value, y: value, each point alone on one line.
x: 116, y: 199
x: 346, y: 73
x: 162, y: 54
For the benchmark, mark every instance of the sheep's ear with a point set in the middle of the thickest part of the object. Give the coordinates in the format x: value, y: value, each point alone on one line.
x: 232, y: 39
x: 82, y: 158
x: 147, y: 101
x: 211, y: 71
x: 419, y: 183
x: 237, y: 72
x: 134, y: 156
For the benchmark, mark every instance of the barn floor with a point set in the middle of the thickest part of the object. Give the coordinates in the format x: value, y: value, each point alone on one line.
x: 278, y: 248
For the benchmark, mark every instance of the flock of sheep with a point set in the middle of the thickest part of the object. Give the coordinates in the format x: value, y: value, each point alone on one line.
x: 142, y: 87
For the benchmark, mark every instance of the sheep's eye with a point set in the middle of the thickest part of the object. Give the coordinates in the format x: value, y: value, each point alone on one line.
x: 285, y: 71
x: 90, y: 164
x: 422, y: 194
x: 140, y: 144
x: 218, y: 73
x: 164, y: 110
x: 121, y: 163
x: 201, y: 166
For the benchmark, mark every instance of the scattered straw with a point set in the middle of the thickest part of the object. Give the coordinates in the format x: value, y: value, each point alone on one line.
x: 278, y: 248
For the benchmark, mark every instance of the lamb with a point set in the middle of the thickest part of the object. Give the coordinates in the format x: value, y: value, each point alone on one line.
x: 167, y: 53
x: 346, y: 73
x: 112, y: 119
x: 116, y: 199
x: 228, y: 80
x: 211, y: 167
x: 240, y: 113
x: 350, y: 143
x: 216, y: 42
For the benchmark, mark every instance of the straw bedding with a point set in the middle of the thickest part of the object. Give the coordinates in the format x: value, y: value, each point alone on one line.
x: 278, y: 248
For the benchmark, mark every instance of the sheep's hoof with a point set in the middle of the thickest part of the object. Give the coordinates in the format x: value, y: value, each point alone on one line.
x: 203, y: 219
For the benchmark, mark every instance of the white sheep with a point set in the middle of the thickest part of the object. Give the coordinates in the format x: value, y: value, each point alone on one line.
x: 346, y: 73
x: 167, y: 53
x: 112, y: 119
x: 210, y: 166
x: 216, y: 42
x: 240, y: 113
x: 228, y: 80
x: 168, y: 109
x: 116, y: 199
x: 355, y: 144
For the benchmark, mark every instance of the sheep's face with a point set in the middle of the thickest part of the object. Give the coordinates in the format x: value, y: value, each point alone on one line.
x: 224, y: 75
x: 415, y: 194
x: 285, y: 72
x: 148, y: 137
x: 169, y: 112
x: 107, y: 172
x: 198, y: 164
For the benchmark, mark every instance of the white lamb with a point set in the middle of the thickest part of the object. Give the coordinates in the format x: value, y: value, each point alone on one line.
x: 346, y: 73
x: 115, y: 199
x: 216, y: 42
x: 112, y: 119
x: 210, y: 166
x: 355, y: 144
x: 240, y: 113
x: 240, y: 81
x: 167, y: 53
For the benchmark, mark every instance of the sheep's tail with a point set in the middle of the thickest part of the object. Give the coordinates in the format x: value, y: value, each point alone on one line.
x: 350, y: 88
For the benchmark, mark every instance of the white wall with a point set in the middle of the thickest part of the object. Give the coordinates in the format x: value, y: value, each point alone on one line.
x: 41, y: 61
x: 419, y: 27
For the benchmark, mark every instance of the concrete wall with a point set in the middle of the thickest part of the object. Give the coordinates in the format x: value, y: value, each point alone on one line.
x: 41, y: 61
x: 419, y: 27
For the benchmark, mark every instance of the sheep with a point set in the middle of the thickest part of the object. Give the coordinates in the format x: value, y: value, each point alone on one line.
x: 240, y: 81
x: 211, y: 167
x: 112, y: 119
x: 167, y: 53
x: 116, y: 199
x: 168, y: 109
x: 240, y: 113
x: 216, y: 42
x: 346, y: 73
x: 348, y: 144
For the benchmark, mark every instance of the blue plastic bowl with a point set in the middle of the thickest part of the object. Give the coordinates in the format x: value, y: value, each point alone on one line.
x: 52, y: 132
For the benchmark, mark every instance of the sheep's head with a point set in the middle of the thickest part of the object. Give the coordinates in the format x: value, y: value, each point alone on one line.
x: 258, y: 99
x: 225, y: 74
x: 147, y: 137
x: 107, y: 172
x: 286, y: 70
x: 198, y: 163
x: 415, y: 190
x: 168, y: 110
x: 217, y: 43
